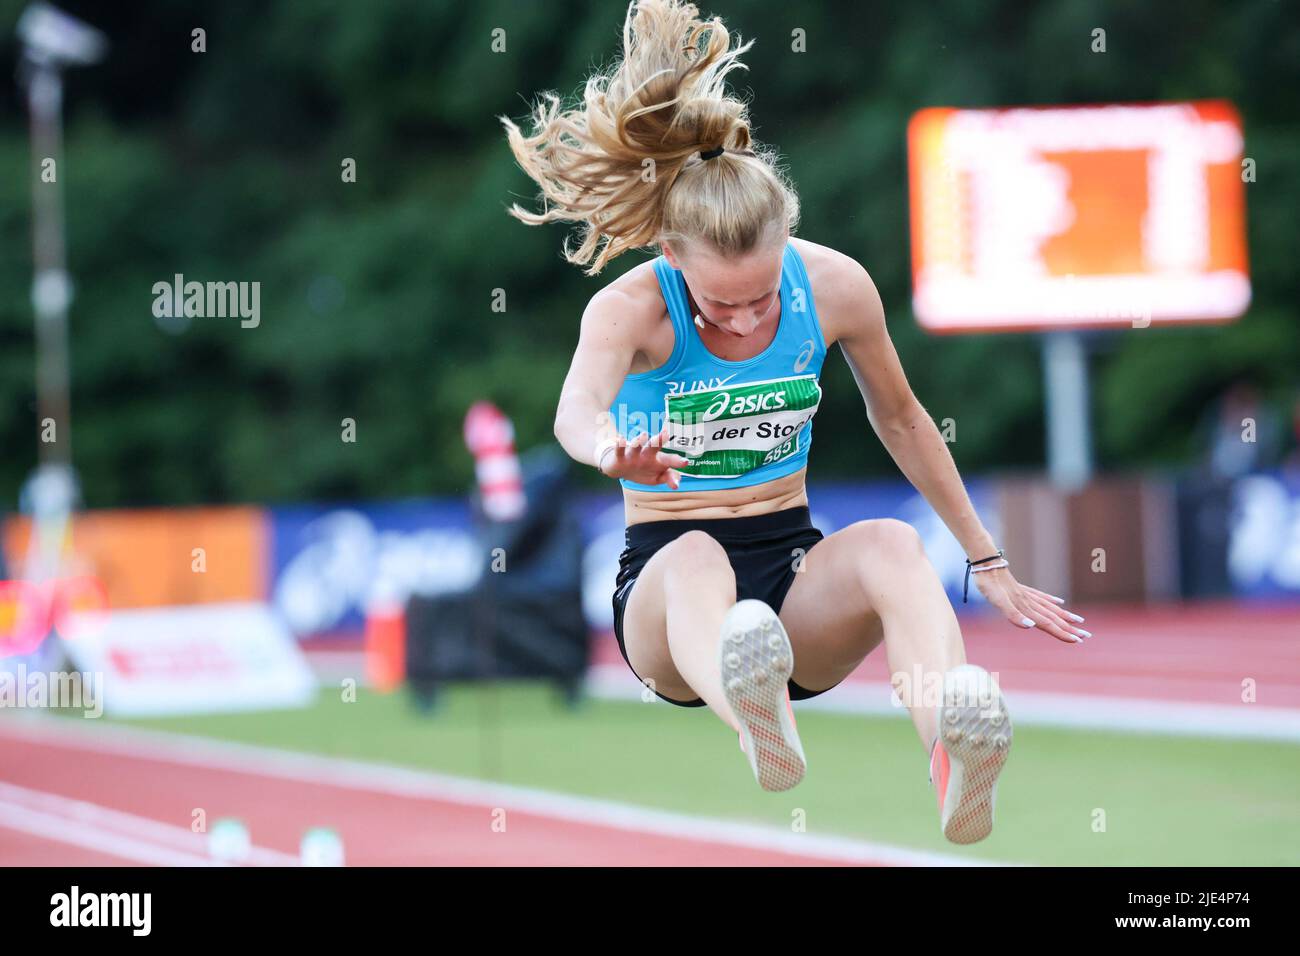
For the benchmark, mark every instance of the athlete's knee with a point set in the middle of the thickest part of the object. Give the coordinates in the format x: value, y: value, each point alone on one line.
x: 697, y: 548
x: 888, y: 545
x: 696, y: 552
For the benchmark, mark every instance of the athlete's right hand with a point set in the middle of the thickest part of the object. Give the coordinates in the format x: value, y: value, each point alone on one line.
x: 644, y: 461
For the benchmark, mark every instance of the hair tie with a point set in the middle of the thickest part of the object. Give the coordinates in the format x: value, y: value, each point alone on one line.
x: 711, y: 153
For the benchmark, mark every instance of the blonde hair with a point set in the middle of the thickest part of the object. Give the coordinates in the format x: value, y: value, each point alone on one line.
x: 625, y: 162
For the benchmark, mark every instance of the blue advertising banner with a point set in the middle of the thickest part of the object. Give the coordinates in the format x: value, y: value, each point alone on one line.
x: 1264, y: 535
x: 330, y: 563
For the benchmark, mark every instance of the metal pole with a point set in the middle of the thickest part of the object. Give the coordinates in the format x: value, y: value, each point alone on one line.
x: 1069, y: 429
x: 52, y: 41
x: 51, y: 287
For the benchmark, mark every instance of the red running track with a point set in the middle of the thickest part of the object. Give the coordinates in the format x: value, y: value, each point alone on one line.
x: 134, y: 809
x: 69, y: 800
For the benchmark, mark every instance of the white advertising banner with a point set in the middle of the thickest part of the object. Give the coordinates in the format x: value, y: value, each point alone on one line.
x: 197, y: 659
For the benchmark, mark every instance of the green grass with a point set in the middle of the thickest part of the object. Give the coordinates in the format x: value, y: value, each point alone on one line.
x: 1166, y: 800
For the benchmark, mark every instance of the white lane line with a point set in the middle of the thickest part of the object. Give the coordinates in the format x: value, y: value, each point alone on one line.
x: 421, y: 784
x: 109, y: 820
x: 59, y: 829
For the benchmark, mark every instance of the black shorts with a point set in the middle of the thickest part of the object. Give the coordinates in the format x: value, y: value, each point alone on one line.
x: 762, y: 550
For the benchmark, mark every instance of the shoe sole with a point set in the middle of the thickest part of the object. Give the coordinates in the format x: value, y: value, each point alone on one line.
x: 756, y: 661
x: 976, y: 732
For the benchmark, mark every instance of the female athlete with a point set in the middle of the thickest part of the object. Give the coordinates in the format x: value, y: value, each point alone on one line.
x: 695, y: 381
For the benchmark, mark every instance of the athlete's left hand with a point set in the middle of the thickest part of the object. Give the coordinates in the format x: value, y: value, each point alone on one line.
x: 1029, y: 607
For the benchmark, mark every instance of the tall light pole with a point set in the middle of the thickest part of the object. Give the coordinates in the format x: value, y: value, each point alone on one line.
x: 52, y: 42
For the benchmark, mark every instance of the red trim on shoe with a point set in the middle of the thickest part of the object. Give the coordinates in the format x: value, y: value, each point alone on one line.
x: 939, y: 758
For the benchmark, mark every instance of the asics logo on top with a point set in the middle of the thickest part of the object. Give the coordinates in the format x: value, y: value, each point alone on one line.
x: 717, y: 408
x: 744, y: 403
x: 805, y: 356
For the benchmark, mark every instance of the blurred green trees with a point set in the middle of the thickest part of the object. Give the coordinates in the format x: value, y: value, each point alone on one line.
x: 377, y: 295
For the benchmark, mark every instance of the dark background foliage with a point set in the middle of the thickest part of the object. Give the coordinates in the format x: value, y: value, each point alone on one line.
x: 376, y: 296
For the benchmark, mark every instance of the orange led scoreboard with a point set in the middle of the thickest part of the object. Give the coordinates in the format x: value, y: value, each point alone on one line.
x: 1078, y: 217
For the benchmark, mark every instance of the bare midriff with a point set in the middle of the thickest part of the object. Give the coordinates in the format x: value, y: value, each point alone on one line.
x: 787, y: 491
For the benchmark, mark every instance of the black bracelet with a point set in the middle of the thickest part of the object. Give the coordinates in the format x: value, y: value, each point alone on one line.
x: 965, y: 588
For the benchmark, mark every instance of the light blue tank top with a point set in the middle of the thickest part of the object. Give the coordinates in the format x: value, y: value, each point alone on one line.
x: 740, y: 423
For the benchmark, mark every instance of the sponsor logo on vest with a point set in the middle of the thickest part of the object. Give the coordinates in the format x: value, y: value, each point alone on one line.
x: 727, y: 433
x: 717, y: 408
x: 805, y: 355
x: 680, y: 388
